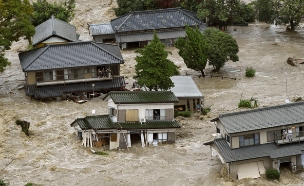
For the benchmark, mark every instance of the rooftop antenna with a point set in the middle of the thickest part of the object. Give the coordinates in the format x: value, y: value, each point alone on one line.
x: 286, y: 99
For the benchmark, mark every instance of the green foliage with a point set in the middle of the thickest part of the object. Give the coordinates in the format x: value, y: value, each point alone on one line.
x: 189, y: 5
x: 263, y: 9
x: 272, y: 174
x: 225, y: 12
x: 206, y: 110
x: 43, y: 11
x: 24, y: 126
x: 127, y: 6
x: 222, y: 47
x: 3, y: 183
x: 15, y: 22
x: 29, y: 184
x: 153, y: 69
x: 102, y: 153
x: 193, y: 49
x: 250, y: 72
x: 183, y: 113
x: 247, y: 103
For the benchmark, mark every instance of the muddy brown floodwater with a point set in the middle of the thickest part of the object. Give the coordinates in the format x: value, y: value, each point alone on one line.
x: 52, y: 155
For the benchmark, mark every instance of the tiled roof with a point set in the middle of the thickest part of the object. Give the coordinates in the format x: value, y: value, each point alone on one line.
x: 57, y: 90
x: 125, y: 97
x: 54, y: 27
x: 101, y: 29
x: 155, y: 19
x: 265, y: 150
x: 262, y: 118
x: 77, y: 54
x: 147, y: 125
x: 102, y: 122
x: 184, y: 86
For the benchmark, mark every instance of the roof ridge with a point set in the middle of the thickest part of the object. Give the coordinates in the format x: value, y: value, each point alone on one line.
x: 156, y: 10
x: 183, y: 11
x: 261, y: 109
x: 106, y: 50
x: 45, y: 48
x: 123, y: 21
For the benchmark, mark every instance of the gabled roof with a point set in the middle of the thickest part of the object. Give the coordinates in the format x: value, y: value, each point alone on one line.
x: 54, y: 27
x: 103, y: 122
x: 184, y: 86
x: 264, y: 150
x: 262, y: 118
x: 155, y: 19
x: 134, y: 97
x: 76, y: 54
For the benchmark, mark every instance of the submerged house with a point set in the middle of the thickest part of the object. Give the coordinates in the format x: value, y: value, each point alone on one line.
x: 147, y: 117
x: 189, y: 96
x: 136, y: 28
x: 250, y: 142
x: 57, y: 70
x: 54, y: 31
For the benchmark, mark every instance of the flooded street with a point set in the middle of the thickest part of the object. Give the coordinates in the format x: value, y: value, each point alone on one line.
x: 52, y: 155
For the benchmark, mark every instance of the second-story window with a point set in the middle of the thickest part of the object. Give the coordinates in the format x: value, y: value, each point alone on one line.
x: 132, y: 115
x: 227, y: 138
x: 249, y: 140
x: 155, y: 114
x: 112, y: 111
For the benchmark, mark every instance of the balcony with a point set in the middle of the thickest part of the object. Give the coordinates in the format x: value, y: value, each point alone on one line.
x: 296, y: 137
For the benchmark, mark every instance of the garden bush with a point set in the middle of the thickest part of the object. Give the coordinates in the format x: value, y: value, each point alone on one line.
x: 272, y: 174
x: 3, y: 183
x: 205, y: 111
x: 245, y: 103
x: 182, y: 113
x: 250, y: 72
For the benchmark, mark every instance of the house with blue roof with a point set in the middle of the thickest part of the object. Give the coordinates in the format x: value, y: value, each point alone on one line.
x: 250, y: 141
x: 146, y: 117
x: 136, y: 28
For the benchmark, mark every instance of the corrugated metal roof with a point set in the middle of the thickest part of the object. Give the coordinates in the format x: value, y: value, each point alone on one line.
x: 54, y: 27
x: 256, y: 119
x: 117, y: 83
x: 154, y: 19
x: 184, y: 86
x: 265, y: 150
x: 126, y: 97
x: 102, y: 122
x: 101, y: 29
x: 77, y: 54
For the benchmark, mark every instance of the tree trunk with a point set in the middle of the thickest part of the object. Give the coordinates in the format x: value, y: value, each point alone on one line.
x: 203, y: 73
x: 292, y: 27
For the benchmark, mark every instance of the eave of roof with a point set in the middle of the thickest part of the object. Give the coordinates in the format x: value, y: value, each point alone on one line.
x: 137, y: 97
x: 251, y: 152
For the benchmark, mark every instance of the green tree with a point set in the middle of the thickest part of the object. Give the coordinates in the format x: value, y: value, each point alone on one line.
x: 193, y: 49
x: 43, y: 10
x: 15, y: 22
x: 222, y: 47
x: 153, y: 69
x: 127, y: 6
x: 189, y: 4
x: 263, y: 10
x: 224, y: 12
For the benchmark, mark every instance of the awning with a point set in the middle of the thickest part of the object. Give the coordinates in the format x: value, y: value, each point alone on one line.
x: 250, y: 170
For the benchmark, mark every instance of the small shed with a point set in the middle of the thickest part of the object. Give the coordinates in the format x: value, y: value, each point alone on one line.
x: 189, y: 96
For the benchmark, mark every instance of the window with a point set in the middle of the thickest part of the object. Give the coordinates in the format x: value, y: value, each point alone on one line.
x: 112, y: 111
x: 60, y: 74
x: 218, y: 130
x: 156, y: 114
x: 39, y: 76
x: 47, y: 75
x: 227, y: 138
x: 113, y: 137
x: 249, y: 140
x: 132, y: 115
x: 274, y: 135
x: 75, y: 73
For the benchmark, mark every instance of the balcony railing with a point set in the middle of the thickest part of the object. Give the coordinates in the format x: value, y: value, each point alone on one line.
x: 294, y: 137
x: 151, y: 118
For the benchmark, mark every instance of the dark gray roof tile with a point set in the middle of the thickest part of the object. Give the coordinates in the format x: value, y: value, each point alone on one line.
x: 256, y: 119
x: 54, y: 27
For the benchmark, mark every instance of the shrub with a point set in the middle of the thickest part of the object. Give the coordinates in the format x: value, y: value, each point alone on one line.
x: 250, y: 72
x: 101, y: 153
x: 29, y: 184
x: 244, y: 103
x: 272, y: 174
x: 3, y: 183
x: 182, y: 113
x: 205, y: 111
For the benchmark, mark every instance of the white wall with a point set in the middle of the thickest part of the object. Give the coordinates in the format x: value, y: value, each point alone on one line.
x: 54, y: 40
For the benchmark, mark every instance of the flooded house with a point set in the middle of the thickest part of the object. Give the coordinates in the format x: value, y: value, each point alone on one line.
x: 145, y: 117
x: 252, y: 141
x: 136, y: 28
x: 61, y: 67
x: 189, y: 96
